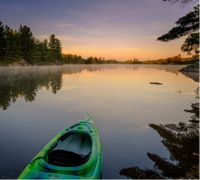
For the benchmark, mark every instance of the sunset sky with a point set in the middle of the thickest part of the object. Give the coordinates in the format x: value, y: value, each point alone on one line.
x: 120, y: 29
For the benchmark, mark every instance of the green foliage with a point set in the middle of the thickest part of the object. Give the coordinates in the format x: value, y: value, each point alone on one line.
x: 74, y: 59
x: 186, y: 25
x: 55, y: 48
x: 21, y: 44
x: 134, y: 61
x: 94, y: 60
x: 191, y: 44
x: 12, y: 43
x: 26, y: 42
x: 2, y: 41
x: 172, y: 60
x: 41, y: 54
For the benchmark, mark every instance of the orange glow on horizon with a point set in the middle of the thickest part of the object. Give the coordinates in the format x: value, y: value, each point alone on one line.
x: 144, y: 51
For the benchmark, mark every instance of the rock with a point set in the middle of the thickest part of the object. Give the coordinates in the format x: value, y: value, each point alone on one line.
x: 172, y: 126
x: 23, y: 62
x: 192, y: 75
x: 20, y: 62
x: 191, y: 68
x: 57, y: 62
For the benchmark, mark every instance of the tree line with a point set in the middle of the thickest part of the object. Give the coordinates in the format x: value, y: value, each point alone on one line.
x: 76, y: 59
x: 21, y: 44
x: 173, y: 60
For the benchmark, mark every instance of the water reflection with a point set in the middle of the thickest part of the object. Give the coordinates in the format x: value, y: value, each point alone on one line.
x: 26, y: 81
x: 119, y: 97
x: 192, y: 75
x: 14, y: 84
x: 182, y: 141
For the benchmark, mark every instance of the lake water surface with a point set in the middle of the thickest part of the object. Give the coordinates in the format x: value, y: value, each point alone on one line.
x: 37, y: 102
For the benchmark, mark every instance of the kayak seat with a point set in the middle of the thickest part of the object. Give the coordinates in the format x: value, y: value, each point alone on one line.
x: 65, y: 158
x: 72, y: 149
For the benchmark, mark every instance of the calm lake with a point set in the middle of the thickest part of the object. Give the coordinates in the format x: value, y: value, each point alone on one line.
x: 37, y: 102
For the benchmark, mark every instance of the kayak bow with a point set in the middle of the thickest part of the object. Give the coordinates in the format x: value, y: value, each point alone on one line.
x: 74, y: 153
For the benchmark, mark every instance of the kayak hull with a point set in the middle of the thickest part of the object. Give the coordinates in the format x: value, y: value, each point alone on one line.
x: 40, y: 168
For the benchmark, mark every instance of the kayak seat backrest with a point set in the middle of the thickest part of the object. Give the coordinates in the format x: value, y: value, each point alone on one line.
x: 72, y: 149
x: 65, y: 158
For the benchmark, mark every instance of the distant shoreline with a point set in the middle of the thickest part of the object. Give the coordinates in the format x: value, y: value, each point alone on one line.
x: 22, y: 62
x: 191, y: 69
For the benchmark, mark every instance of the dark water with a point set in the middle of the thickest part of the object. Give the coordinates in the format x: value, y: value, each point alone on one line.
x: 37, y: 102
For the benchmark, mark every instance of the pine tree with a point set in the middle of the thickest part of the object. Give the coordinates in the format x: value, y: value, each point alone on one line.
x: 55, y: 48
x: 52, y: 47
x: 191, y: 44
x: 45, y: 50
x: 12, y: 48
x: 21, y: 43
x: 26, y: 41
x: 58, y: 50
x: 187, y: 25
x: 2, y: 41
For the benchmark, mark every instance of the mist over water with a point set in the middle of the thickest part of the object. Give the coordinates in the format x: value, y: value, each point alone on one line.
x: 37, y: 102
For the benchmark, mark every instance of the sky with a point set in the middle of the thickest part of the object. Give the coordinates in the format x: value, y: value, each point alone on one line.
x: 119, y: 29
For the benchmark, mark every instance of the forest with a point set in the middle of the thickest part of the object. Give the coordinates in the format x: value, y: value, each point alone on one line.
x: 21, y: 46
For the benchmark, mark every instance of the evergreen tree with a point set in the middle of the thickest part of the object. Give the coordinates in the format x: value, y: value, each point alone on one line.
x: 41, y: 52
x: 186, y: 25
x: 58, y: 50
x: 55, y: 48
x: 52, y: 47
x: 21, y: 43
x: 191, y: 44
x: 26, y: 42
x: 12, y: 48
x: 2, y: 41
x: 44, y: 50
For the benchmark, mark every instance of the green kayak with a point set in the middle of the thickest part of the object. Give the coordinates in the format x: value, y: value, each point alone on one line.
x: 75, y: 153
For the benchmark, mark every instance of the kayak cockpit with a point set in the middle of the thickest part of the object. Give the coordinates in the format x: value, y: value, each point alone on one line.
x: 72, y: 149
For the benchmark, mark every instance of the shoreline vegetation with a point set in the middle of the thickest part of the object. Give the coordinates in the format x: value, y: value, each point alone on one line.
x: 21, y: 48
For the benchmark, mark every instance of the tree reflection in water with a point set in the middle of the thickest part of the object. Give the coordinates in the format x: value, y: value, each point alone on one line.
x: 26, y: 84
x: 16, y: 82
x: 182, y: 141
